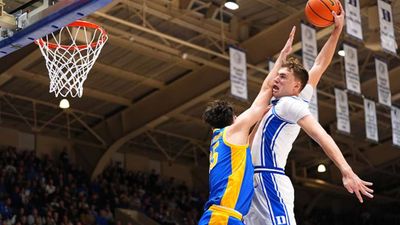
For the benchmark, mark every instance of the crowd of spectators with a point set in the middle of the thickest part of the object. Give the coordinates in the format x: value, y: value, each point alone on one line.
x: 44, y: 191
x: 49, y: 191
x: 37, y: 191
x: 161, y: 199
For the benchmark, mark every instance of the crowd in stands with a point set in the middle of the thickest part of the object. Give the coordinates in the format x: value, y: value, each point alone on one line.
x: 160, y: 199
x: 44, y: 191
x: 37, y: 191
x: 49, y: 191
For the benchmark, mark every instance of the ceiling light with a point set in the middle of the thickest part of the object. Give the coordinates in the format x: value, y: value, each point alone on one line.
x: 341, y: 53
x: 321, y: 168
x: 64, y: 104
x: 231, y: 4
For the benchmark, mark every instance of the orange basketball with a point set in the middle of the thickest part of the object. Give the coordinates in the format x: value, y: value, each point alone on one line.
x: 319, y: 12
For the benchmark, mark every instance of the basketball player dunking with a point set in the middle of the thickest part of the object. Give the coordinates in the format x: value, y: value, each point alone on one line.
x: 231, y: 170
x: 273, y: 200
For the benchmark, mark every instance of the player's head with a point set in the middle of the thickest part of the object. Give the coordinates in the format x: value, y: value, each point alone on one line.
x: 219, y: 114
x: 291, y: 80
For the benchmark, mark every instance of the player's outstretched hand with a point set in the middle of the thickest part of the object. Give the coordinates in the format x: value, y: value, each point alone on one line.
x: 339, y: 19
x: 287, y: 49
x: 355, y: 185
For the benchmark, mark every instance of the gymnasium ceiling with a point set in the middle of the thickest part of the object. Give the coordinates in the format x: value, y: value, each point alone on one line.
x: 165, y: 59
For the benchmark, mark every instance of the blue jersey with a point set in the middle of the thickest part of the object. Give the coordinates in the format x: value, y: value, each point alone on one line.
x: 231, y: 174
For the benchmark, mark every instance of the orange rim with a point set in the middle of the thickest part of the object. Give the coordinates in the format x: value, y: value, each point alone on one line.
x: 78, y: 23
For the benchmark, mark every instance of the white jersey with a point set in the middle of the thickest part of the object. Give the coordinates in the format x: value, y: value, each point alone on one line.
x: 273, y: 199
x: 278, y: 130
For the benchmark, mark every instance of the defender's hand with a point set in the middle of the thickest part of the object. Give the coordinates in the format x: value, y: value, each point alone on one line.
x: 287, y: 49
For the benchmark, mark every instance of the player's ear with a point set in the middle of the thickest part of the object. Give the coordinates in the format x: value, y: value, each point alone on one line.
x: 297, y: 85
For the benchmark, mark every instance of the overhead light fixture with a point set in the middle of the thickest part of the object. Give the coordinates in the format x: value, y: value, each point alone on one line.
x: 321, y: 168
x: 231, y: 4
x: 64, y: 103
x: 341, y: 53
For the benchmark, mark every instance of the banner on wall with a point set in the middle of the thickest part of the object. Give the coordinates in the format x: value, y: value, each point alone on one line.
x: 313, y: 105
x: 310, y: 52
x: 270, y: 65
x: 353, y: 19
x: 371, y: 124
x: 382, y: 77
x: 351, y: 69
x: 388, y: 40
x: 342, y: 111
x: 309, y: 46
x: 395, y: 114
x: 238, y: 72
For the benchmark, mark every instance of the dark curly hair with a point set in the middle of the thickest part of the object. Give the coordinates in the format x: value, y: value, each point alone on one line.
x: 218, y: 114
x: 299, y: 72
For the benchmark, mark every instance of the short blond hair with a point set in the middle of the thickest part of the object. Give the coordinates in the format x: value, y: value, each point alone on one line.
x: 300, y: 73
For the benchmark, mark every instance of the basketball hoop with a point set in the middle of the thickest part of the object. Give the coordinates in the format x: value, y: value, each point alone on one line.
x: 70, y: 54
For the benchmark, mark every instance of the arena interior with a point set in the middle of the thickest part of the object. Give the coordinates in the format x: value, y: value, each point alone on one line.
x: 134, y: 150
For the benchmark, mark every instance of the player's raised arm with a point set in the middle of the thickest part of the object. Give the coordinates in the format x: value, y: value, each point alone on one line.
x: 260, y: 104
x: 286, y: 50
x: 325, y: 56
x: 351, y: 181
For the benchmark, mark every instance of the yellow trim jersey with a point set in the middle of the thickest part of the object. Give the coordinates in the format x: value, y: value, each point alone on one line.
x: 231, y: 174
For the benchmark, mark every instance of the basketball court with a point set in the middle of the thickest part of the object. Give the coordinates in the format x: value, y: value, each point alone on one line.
x: 161, y: 62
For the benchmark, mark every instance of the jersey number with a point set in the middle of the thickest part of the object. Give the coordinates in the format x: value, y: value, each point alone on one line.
x: 213, y: 156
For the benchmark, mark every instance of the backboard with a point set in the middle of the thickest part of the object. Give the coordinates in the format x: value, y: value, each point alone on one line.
x: 28, y: 21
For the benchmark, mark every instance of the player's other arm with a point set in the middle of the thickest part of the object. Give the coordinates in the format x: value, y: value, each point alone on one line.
x: 325, y: 56
x: 351, y: 181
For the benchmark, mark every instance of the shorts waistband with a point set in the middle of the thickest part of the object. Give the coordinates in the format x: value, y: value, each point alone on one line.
x: 259, y: 169
x: 227, y: 211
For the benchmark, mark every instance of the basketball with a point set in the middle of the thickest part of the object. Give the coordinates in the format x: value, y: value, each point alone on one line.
x: 319, y: 12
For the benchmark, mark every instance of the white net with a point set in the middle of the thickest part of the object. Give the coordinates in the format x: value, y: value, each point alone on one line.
x: 70, y: 54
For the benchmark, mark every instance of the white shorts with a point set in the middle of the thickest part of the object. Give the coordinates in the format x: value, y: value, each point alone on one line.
x: 273, y: 200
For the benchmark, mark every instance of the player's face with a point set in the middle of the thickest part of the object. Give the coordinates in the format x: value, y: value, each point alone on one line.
x: 285, y: 84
